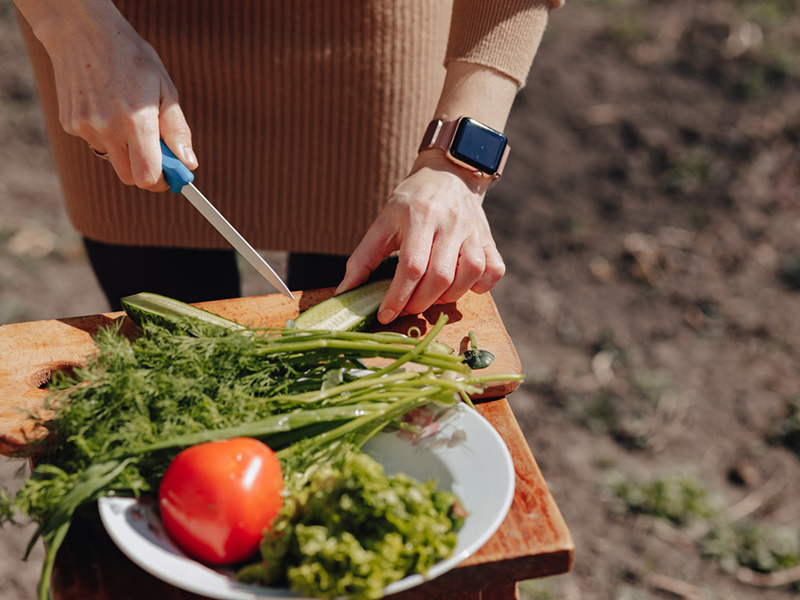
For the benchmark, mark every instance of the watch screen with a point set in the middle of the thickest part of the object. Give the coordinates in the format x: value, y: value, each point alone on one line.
x: 478, y: 146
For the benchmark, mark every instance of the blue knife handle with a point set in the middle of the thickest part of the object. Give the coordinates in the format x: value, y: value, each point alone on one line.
x: 175, y: 172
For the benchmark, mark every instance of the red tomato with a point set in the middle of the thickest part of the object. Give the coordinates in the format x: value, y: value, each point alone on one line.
x: 217, y: 498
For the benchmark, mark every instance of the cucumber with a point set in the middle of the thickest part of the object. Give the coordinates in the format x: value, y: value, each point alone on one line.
x: 353, y: 310
x: 168, y: 312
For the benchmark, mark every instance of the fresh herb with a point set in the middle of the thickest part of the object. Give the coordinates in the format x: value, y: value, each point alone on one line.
x: 120, y: 420
x: 348, y: 529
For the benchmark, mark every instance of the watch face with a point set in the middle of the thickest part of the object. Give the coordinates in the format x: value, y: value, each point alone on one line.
x: 478, y: 146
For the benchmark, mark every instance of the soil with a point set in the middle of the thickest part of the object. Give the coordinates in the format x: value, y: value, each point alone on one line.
x: 649, y: 219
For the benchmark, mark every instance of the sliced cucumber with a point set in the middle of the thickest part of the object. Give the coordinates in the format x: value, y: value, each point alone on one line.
x: 350, y: 311
x: 168, y: 312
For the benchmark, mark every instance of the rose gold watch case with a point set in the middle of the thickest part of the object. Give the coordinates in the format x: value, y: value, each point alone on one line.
x: 440, y: 134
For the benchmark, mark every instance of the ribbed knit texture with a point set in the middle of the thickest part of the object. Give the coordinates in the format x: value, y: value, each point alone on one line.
x: 304, y: 115
x: 501, y: 35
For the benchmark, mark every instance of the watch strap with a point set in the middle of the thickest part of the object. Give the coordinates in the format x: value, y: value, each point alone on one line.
x: 503, y: 159
x: 439, y: 134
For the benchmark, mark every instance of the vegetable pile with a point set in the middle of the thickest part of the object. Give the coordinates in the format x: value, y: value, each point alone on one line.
x: 120, y: 421
x: 349, y: 530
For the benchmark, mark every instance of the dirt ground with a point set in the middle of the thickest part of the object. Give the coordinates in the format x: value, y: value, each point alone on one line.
x: 649, y: 218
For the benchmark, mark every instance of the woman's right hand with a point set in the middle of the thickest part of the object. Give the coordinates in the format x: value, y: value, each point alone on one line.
x: 113, y: 89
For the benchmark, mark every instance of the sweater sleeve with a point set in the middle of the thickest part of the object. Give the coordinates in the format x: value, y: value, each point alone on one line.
x: 501, y: 34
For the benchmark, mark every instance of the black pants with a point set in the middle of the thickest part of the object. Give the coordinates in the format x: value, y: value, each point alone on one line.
x: 199, y: 275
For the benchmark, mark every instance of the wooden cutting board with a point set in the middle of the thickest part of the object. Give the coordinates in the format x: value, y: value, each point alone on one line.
x: 31, y: 352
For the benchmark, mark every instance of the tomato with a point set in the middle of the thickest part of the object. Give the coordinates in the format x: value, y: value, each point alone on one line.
x: 217, y: 498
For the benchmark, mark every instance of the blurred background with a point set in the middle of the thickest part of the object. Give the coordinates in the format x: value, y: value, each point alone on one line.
x: 650, y: 221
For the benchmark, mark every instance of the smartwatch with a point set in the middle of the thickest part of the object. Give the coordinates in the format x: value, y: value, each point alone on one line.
x: 470, y: 144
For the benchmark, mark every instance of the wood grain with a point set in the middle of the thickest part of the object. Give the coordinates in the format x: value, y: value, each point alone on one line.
x: 533, y: 541
x: 30, y: 352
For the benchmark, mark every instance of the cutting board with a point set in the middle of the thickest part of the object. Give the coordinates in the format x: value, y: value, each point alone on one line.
x: 31, y: 352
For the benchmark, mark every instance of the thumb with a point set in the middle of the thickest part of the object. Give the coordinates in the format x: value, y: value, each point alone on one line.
x: 176, y: 134
x: 367, y: 256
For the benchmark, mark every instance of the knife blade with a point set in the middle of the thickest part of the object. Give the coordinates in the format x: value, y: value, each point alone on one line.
x: 180, y: 181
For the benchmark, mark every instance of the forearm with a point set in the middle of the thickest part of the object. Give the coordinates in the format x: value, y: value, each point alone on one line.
x: 476, y: 91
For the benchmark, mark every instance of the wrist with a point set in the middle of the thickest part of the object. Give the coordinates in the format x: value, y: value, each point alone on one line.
x: 436, y: 162
x: 54, y: 21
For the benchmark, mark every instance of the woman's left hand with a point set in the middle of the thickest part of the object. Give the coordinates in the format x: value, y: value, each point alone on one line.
x: 435, y: 219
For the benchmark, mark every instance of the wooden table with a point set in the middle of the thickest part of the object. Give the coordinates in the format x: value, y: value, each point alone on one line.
x: 532, y: 542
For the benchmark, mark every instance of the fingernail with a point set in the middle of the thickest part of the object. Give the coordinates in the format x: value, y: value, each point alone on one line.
x: 189, y: 156
x: 343, y: 286
x: 385, y: 316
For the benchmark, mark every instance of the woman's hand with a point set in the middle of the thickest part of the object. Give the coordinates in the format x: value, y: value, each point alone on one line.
x: 113, y: 90
x: 435, y: 217
x: 436, y: 221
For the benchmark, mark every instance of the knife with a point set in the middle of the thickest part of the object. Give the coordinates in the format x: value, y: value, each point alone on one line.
x: 180, y: 180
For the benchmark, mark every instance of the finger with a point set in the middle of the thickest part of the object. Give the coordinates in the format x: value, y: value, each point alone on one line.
x: 99, y: 149
x: 494, y: 271
x: 470, y: 268
x: 104, y: 144
x: 93, y: 138
x: 108, y: 142
x: 367, y: 256
x: 411, y: 266
x: 438, y: 277
x: 176, y: 134
x: 144, y: 150
x: 119, y: 157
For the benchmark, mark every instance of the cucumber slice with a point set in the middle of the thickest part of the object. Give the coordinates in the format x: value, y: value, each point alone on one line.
x: 168, y: 312
x: 350, y: 311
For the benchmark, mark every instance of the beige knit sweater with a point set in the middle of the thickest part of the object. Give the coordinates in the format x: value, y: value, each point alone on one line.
x: 304, y: 114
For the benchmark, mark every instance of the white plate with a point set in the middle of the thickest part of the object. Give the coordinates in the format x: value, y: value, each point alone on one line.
x: 458, y: 447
